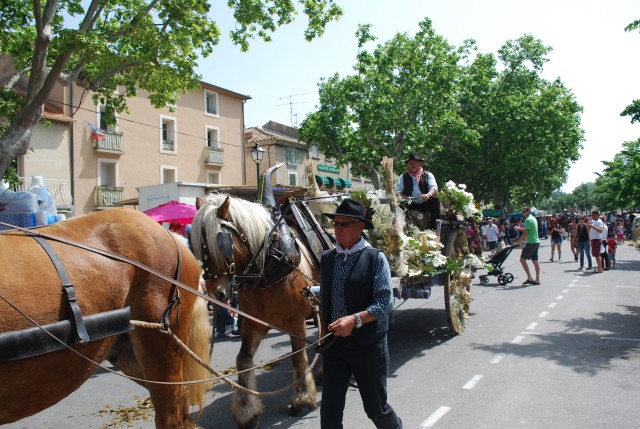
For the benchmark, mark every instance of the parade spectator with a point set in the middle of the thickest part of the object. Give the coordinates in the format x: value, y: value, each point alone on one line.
x: 224, y: 319
x: 421, y: 186
x: 556, y: 238
x: 530, y: 251
x: 507, y: 231
x: 620, y: 233
x: 483, y: 236
x: 583, y: 242
x: 492, y: 233
x: 595, y: 227
x: 544, y: 224
x: 612, y: 245
x: 355, y: 281
x: 604, y: 237
x: 474, y: 239
x: 571, y: 237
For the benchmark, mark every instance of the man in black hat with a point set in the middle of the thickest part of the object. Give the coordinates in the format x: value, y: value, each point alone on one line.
x: 356, y: 299
x: 421, y: 187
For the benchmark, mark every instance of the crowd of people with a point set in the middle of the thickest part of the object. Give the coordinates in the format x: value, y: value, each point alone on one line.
x: 592, y: 239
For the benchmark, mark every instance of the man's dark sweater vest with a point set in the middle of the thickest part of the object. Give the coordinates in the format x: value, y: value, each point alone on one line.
x: 358, y: 293
x: 408, y: 183
x: 432, y: 206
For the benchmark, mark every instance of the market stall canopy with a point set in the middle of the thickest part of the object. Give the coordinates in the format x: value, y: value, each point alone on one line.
x: 172, y: 211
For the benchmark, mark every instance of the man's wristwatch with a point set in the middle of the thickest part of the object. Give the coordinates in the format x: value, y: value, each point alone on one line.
x: 358, y: 321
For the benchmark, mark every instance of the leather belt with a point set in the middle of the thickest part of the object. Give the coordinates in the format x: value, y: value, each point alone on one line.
x: 68, y: 289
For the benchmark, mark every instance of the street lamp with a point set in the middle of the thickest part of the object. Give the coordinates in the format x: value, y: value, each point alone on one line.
x: 257, y: 152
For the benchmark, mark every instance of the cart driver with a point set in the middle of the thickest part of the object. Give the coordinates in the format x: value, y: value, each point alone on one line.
x: 421, y: 187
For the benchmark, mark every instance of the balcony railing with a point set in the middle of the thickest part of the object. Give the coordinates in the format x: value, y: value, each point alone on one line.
x: 111, y: 143
x: 58, y: 189
x: 168, y: 145
x: 107, y: 196
x: 213, y: 155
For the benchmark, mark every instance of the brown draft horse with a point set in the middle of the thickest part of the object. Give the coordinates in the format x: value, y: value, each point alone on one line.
x: 281, y: 304
x: 30, y: 282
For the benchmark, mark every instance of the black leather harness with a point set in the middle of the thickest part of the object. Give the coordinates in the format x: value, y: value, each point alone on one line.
x: 78, y: 329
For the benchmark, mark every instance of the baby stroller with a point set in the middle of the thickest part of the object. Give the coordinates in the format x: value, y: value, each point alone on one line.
x: 496, y: 262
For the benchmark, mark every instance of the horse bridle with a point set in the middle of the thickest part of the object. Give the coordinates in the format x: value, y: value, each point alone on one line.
x: 225, y: 244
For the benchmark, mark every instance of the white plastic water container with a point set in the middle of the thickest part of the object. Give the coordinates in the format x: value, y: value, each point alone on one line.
x: 45, y: 202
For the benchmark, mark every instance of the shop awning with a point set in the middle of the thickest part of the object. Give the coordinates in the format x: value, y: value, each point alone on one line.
x: 327, y: 181
x: 342, y: 183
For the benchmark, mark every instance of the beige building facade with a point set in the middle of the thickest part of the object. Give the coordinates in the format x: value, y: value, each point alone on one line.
x: 281, y: 145
x: 199, y: 139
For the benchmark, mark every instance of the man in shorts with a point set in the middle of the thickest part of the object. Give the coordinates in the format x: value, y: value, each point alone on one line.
x: 530, y: 251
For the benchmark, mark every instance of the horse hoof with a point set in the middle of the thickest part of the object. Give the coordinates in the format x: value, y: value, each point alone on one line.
x: 294, y: 411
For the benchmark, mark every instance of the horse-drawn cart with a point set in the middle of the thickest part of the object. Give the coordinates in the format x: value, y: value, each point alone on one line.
x: 440, y: 258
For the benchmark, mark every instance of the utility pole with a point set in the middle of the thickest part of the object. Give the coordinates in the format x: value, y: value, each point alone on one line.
x: 290, y: 104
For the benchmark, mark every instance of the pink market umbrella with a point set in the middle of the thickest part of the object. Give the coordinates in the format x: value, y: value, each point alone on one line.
x: 174, y: 212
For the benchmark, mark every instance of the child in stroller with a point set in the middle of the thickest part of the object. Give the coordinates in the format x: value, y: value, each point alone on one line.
x: 496, y: 262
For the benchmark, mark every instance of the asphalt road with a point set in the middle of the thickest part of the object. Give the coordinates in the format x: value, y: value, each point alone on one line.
x: 565, y: 354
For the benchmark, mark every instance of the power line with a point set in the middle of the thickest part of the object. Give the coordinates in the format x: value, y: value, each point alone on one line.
x: 131, y: 121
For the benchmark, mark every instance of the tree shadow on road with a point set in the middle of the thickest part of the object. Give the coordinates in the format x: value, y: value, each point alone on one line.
x: 587, y: 345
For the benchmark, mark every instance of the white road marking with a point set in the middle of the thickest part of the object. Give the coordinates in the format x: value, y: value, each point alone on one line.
x: 543, y: 314
x: 433, y: 418
x: 565, y: 291
x: 517, y: 339
x: 472, y: 383
x: 559, y: 297
x: 532, y: 326
x: 619, y: 339
x: 553, y: 304
x: 498, y: 358
x: 574, y: 280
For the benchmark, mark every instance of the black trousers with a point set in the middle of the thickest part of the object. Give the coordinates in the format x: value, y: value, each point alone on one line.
x: 369, y: 366
x: 431, y: 206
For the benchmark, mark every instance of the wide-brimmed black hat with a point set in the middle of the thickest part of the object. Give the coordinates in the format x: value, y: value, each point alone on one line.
x: 413, y: 157
x: 354, y: 209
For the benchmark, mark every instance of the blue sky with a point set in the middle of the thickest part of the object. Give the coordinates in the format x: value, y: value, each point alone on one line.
x: 592, y: 55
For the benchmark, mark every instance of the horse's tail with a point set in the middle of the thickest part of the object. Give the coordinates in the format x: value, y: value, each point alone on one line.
x: 198, y: 342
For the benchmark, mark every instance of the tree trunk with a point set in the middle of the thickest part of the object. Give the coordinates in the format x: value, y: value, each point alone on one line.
x: 17, y: 139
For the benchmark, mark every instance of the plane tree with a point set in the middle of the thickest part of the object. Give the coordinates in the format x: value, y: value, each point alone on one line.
x: 128, y: 45
x: 501, y: 129
x: 401, y: 99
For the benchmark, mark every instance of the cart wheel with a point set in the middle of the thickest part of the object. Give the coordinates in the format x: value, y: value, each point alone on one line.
x: 456, y: 294
x: 502, y: 280
x: 509, y: 277
x: 484, y: 280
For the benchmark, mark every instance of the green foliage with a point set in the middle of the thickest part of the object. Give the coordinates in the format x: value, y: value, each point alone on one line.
x: 633, y: 26
x: 618, y: 186
x: 127, y: 45
x: 633, y: 109
x: 11, y: 177
x: 502, y: 129
x: 401, y: 100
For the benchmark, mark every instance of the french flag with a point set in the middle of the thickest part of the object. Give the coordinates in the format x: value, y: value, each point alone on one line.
x: 96, y: 134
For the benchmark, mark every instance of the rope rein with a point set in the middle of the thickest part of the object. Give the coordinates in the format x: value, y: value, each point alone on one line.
x: 220, y: 376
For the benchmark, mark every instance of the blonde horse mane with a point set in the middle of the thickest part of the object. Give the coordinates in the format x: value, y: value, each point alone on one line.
x: 251, y: 219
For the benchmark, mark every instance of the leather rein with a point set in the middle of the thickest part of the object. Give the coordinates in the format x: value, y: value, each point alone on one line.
x: 153, y: 271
